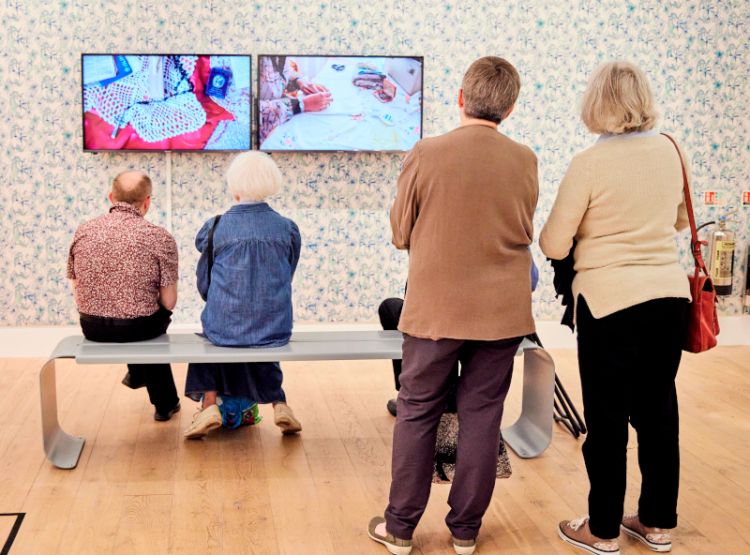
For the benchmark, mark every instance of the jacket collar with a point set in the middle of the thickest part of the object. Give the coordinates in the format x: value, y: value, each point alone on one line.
x: 244, y: 207
x: 631, y: 135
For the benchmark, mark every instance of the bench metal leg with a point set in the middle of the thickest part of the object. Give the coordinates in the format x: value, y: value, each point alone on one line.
x: 61, y: 449
x: 532, y: 432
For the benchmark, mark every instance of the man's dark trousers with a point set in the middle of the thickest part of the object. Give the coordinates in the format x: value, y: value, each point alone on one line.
x: 486, y: 370
x: 157, y: 377
x: 390, y: 313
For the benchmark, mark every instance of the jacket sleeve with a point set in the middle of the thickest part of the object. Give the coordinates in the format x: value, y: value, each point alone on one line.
x: 534, y: 200
x: 296, y: 247
x: 71, y: 271
x: 571, y: 204
x: 405, y: 209
x: 201, y: 270
x: 682, y: 215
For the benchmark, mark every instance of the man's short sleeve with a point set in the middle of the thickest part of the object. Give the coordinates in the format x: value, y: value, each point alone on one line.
x: 71, y: 273
x: 167, y: 255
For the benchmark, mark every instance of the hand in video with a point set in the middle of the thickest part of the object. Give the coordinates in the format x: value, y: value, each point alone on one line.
x: 318, y: 102
x: 311, y: 88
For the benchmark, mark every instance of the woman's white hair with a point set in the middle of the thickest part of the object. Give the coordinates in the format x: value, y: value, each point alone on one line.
x: 618, y: 100
x: 253, y: 176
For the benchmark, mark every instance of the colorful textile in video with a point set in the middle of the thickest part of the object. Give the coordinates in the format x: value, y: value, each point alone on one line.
x: 177, y: 102
x: 339, y: 103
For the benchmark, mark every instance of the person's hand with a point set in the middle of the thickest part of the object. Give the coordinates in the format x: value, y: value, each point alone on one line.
x: 311, y: 88
x: 317, y: 102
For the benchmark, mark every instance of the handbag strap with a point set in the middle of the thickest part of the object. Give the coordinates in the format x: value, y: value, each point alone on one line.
x: 210, y: 249
x: 695, y: 243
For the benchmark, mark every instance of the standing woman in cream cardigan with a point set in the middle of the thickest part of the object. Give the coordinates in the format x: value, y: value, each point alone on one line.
x: 622, y: 201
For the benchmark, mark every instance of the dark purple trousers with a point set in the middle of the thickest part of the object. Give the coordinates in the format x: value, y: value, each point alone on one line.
x: 486, y: 370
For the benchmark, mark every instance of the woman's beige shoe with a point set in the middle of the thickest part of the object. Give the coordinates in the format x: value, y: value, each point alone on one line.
x: 656, y: 539
x: 576, y: 532
x: 203, y: 422
x: 284, y: 418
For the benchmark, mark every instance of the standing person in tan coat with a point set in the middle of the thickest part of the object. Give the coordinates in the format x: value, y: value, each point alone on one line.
x: 464, y: 212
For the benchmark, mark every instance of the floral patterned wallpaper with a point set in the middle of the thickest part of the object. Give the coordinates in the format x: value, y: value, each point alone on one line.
x: 695, y: 53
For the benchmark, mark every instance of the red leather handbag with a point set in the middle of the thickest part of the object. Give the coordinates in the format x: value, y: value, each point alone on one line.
x: 703, y: 323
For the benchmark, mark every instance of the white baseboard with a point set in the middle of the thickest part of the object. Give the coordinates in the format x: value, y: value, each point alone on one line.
x: 38, y: 342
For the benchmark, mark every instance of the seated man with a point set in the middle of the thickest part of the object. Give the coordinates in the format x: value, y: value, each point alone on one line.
x: 124, y: 275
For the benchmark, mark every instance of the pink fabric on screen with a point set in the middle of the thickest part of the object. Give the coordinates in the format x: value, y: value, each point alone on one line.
x: 98, y: 133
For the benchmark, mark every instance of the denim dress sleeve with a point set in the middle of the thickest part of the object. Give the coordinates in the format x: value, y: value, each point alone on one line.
x: 296, y: 247
x: 201, y: 242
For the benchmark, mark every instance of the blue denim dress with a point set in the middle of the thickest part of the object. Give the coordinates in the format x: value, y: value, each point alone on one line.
x: 249, y: 300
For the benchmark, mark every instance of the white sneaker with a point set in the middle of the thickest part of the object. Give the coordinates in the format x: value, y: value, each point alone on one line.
x: 203, y: 422
x: 464, y: 547
x: 284, y: 418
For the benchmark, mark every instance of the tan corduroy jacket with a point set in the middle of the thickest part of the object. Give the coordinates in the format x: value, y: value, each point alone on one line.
x: 464, y: 211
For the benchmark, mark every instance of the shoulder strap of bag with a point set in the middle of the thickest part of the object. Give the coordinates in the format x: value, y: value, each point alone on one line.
x: 210, y: 247
x: 695, y: 243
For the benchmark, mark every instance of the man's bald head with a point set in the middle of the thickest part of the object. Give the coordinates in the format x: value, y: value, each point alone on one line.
x: 133, y: 187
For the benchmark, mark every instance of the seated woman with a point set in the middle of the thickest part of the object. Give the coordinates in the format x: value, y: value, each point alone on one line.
x: 248, y: 294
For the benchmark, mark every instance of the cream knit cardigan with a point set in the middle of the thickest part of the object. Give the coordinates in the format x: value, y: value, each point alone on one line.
x: 622, y: 201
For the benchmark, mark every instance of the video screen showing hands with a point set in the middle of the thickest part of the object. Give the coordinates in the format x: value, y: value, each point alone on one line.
x: 336, y: 103
x: 166, y: 102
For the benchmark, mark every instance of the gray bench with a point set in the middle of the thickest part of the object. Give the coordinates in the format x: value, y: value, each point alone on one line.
x: 528, y: 437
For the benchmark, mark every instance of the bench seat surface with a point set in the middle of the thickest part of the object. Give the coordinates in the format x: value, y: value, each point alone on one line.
x: 309, y: 345
x: 528, y: 437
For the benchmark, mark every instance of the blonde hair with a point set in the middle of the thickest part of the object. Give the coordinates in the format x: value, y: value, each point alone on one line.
x: 253, y: 176
x: 133, y: 187
x: 618, y: 100
x: 490, y: 88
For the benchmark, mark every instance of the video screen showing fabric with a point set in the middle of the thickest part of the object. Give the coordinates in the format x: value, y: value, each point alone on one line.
x: 166, y: 102
x: 337, y: 103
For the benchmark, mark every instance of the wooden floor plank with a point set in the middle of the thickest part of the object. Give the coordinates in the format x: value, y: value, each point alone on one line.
x: 50, y: 500
x: 95, y: 514
x: 140, y: 488
x: 144, y: 526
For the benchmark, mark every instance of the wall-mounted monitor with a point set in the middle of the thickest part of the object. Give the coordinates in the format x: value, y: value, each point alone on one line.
x: 339, y: 103
x: 166, y: 102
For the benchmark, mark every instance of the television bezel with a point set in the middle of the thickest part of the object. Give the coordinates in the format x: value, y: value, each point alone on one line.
x: 335, y: 151
x: 95, y: 150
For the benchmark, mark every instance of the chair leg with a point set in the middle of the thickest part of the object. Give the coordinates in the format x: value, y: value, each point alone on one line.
x: 563, y: 417
x: 565, y: 399
x: 531, y: 434
x: 566, y: 412
x: 61, y: 449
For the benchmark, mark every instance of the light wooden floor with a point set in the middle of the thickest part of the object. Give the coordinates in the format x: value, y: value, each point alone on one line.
x: 139, y: 488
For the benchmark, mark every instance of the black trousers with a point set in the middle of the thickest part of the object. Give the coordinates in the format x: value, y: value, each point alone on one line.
x: 628, y: 363
x: 389, y: 312
x: 158, y: 377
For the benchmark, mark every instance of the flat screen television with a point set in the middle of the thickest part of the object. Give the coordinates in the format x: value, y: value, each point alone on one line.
x: 339, y: 103
x: 184, y: 102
